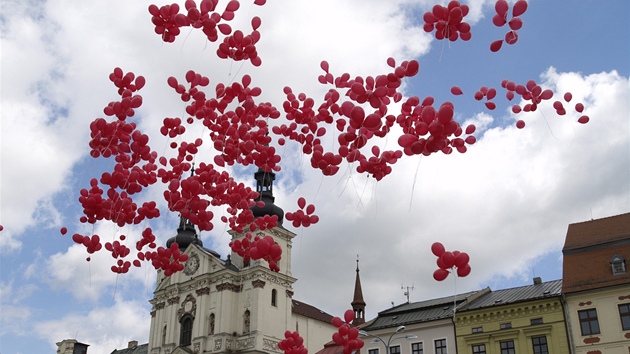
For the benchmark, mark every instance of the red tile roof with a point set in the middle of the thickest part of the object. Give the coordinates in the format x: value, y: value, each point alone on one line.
x: 313, y: 312
x: 588, y: 250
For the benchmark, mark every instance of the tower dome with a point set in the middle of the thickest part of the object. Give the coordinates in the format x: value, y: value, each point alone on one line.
x: 264, y: 187
x: 186, y: 234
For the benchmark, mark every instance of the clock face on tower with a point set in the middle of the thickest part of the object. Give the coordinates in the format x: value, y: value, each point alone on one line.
x: 192, y: 264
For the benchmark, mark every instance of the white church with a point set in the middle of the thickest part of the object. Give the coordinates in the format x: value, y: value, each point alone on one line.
x: 229, y: 306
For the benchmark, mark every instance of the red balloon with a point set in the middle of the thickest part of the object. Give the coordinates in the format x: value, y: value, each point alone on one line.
x: 63, y: 230
x: 496, y: 45
x: 348, y: 316
x: 336, y: 321
x: 448, y: 259
x: 519, y: 8
x: 440, y: 274
x: 455, y: 90
x: 464, y: 271
x: 437, y: 249
x: 462, y: 259
x: 520, y: 124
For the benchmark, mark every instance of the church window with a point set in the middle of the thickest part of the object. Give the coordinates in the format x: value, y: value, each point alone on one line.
x: 211, y: 323
x: 185, y: 337
x: 246, y: 322
x: 274, y: 297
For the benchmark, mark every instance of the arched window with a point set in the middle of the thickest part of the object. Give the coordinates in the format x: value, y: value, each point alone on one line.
x: 274, y: 297
x: 164, y: 334
x: 246, y: 322
x: 185, y: 336
x: 211, y: 323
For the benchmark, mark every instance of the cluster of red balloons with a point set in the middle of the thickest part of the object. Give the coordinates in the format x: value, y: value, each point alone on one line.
x: 346, y: 335
x: 303, y: 216
x: 418, y: 119
x: 529, y: 92
x: 489, y: 94
x: 238, y: 127
x: 170, y: 260
x: 264, y: 248
x: 515, y: 23
x: 242, y: 47
x: 168, y: 22
x: 448, y: 260
x: 579, y: 107
x: 92, y: 244
x: 447, y: 21
x: 292, y: 343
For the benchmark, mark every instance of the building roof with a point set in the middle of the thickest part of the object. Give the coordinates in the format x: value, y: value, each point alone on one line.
x: 597, y: 232
x: 588, y: 250
x: 515, y: 295
x: 138, y: 349
x: 304, y: 309
x: 418, y: 312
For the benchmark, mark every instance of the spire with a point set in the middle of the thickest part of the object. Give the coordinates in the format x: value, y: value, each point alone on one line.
x: 186, y: 232
x: 264, y: 187
x: 358, y: 305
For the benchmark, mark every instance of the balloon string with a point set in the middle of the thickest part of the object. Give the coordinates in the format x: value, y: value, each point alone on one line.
x: 413, y: 185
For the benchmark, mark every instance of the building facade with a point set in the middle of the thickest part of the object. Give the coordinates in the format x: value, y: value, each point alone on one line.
x: 597, y: 285
x: 527, y: 319
x: 424, y: 327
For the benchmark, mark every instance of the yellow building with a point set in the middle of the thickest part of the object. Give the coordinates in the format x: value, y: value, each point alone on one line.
x: 524, y: 320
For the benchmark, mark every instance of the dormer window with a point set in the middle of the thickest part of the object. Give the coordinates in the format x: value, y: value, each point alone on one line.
x: 618, y: 265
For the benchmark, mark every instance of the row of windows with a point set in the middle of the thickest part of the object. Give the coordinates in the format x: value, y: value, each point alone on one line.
x: 439, y: 346
x: 539, y: 345
x: 185, y: 334
x: 589, y: 323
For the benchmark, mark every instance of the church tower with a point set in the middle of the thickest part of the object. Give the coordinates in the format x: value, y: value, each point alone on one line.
x: 221, y: 306
x: 358, y: 304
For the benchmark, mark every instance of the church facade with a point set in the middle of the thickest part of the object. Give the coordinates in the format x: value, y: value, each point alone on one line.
x: 228, y: 306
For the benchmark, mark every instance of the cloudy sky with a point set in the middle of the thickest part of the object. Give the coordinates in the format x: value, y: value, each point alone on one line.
x: 507, y: 202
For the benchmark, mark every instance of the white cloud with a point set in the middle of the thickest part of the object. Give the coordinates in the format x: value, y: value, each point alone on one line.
x: 103, y: 328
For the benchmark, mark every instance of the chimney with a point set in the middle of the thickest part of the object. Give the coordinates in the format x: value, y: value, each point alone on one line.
x: 537, y: 281
x: 132, y: 344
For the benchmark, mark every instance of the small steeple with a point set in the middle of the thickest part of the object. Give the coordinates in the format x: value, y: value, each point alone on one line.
x: 264, y: 187
x: 358, y: 305
x: 186, y: 232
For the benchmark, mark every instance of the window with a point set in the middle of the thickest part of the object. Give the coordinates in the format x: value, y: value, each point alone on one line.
x: 618, y: 265
x: 507, y: 347
x: 506, y: 325
x: 440, y: 346
x: 536, y: 321
x: 416, y: 348
x: 477, y: 329
x: 211, y: 323
x: 164, y: 335
x: 246, y: 321
x: 624, y: 313
x: 274, y: 296
x: 185, y: 335
x: 394, y: 349
x: 588, y: 322
x: 373, y: 351
x: 540, y: 345
x: 479, y: 349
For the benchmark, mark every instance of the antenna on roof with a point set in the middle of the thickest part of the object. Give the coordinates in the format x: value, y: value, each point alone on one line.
x: 409, y: 288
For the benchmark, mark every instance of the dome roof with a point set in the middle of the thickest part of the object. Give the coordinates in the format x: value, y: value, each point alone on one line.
x: 186, y: 234
x: 264, y: 187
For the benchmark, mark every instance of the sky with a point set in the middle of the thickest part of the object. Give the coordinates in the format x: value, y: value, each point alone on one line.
x: 507, y: 201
